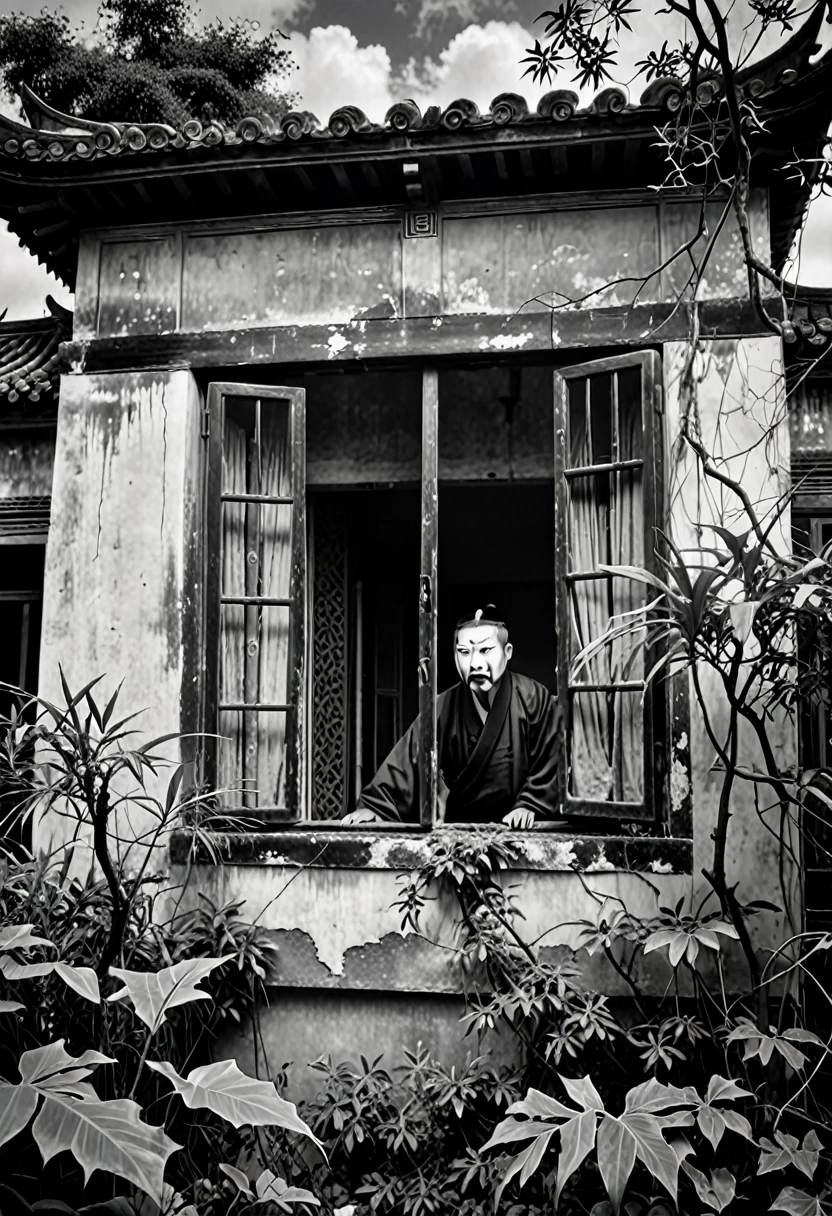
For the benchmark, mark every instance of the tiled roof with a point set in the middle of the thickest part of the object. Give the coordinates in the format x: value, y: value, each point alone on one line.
x: 60, y: 175
x: 810, y: 312
x: 59, y: 137
x: 30, y: 359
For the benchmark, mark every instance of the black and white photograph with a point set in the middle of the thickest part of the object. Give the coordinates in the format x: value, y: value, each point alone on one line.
x: 416, y: 608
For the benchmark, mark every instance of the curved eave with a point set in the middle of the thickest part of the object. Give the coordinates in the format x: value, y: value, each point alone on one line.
x: 458, y: 153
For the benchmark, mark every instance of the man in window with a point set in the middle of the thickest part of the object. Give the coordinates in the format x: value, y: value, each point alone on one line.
x: 499, y: 742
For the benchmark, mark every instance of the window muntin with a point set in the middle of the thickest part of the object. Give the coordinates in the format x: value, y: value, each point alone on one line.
x: 602, y: 465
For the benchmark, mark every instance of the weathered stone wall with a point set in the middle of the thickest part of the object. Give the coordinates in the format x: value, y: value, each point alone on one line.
x: 121, y: 589
x: 327, y: 270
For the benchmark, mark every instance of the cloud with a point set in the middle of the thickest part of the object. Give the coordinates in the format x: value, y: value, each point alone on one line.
x: 333, y: 70
x: 479, y: 62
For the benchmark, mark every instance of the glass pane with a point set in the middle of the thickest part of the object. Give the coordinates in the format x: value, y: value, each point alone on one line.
x: 252, y: 759
x: 254, y: 654
x: 629, y: 422
x: 606, y: 753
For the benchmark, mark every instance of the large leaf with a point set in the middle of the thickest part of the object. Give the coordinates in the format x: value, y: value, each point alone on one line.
x: 83, y: 980
x: 525, y: 1163
x: 108, y: 1136
x: 10, y: 1006
x: 797, y: 1203
x: 582, y: 1092
x: 577, y: 1139
x: 46, y: 1063
x: 512, y: 1130
x: 17, y: 1105
x: 616, y: 1158
x: 540, y: 1106
x: 242, y: 1101
x: 20, y: 937
x: 271, y: 1189
x: 153, y: 993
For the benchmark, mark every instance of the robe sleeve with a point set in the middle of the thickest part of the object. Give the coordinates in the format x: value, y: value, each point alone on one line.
x: 539, y: 792
x: 393, y: 792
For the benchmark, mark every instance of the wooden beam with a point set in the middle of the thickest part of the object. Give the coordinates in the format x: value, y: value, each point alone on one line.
x: 559, y: 158
x: 466, y: 165
x: 260, y: 182
x: 144, y: 194
x: 222, y: 183
x: 526, y: 163
x: 370, y: 175
x: 304, y: 179
x: 342, y: 179
x: 500, y: 162
x: 419, y: 337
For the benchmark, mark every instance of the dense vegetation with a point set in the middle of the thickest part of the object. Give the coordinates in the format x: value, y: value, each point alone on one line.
x: 146, y: 61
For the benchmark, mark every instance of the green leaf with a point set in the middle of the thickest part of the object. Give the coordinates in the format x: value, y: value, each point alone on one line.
x: 153, y: 993
x: 239, y: 1179
x: 616, y: 1158
x: 271, y: 1189
x: 797, y: 1203
x: 107, y: 1136
x: 652, y: 1096
x: 52, y: 1060
x: 10, y: 1006
x: 240, y: 1100
x: 582, y: 1092
x: 82, y: 980
x: 577, y: 1139
x: 512, y: 1130
x: 652, y: 1148
x: 721, y: 1089
x: 23, y: 971
x: 540, y: 1106
x: 519, y: 1162
x: 20, y: 937
x: 17, y: 1105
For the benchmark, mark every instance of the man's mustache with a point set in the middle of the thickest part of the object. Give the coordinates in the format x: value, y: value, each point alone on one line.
x: 478, y: 675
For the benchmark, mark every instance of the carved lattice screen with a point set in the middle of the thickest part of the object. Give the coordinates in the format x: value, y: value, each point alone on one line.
x: 330, y: 662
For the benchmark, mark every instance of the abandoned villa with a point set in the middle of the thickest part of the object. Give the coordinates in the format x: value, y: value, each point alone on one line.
x: 329, y: 387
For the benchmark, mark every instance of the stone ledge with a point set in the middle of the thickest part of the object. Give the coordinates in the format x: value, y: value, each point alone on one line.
x: 350, y: 849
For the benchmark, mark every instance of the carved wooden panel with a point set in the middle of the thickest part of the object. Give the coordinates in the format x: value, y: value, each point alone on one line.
x: 330, y: 663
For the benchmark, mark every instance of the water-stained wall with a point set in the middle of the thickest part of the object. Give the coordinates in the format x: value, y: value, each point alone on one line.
x: 121, y: 590
x: 326, y: 270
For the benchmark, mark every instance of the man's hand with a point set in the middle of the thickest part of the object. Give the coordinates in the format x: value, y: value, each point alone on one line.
x: 362, y: 815
x: 519, y: 818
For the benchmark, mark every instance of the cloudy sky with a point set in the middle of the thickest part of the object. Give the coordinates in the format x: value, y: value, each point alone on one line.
x: 371, y: 52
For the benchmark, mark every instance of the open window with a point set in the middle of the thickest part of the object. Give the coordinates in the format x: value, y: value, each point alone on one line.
x: 257, y: 596
x: 419, y: 494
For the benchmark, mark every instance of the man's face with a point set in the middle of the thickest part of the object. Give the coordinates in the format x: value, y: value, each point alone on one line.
x: 480, y: 656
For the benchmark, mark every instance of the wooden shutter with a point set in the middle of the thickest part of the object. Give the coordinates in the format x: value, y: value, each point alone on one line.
x: 607, y: 507
x: 428, y: 755
x: 256, y: 601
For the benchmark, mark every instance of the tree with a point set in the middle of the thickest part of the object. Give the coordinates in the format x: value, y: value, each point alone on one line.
x: 148, y: 61
x: 714, y: 131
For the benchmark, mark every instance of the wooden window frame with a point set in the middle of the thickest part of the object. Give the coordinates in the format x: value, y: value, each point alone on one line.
x: 649, y: 363
x: 297, y: 785
x: 295, y: 707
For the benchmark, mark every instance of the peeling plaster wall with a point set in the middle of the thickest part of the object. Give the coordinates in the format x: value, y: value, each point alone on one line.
x: 336, y: 930
x: 119, y: 590
x: 333, y: 270
x: 743, y: 418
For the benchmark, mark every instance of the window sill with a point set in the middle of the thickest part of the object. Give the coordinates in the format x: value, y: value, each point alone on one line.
x: 368, y: 849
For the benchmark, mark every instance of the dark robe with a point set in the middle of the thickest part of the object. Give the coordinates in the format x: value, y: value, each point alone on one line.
x: 508, y: 762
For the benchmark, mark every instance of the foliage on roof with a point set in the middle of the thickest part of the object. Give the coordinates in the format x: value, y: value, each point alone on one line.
x: 149, y: 59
